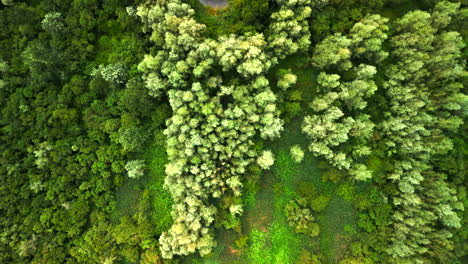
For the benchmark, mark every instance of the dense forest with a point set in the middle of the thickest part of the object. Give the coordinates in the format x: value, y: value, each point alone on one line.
x: 261, y: 131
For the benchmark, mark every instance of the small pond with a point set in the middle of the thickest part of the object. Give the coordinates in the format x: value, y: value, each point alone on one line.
x: 215, y: 3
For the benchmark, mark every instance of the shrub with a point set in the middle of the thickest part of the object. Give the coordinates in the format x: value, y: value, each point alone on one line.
x: 297, y: 153
x: 365, y: 222
x: 132, y: 138
x: 300, y: 217
x: 266, y: 159
x: 346, y: 191
x: 306, y: 257
x: 319, y: 203
x: 295, y: 95
x: 135, y: 168
x: 307, y: 190
x: 333, y: 175
x: 286, y: 79
x: 241, y: 242
x: 291, y: 109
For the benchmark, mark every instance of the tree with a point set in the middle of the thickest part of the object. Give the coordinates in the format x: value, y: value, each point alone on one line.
x: 113, y: 73
x: 135, y: 168
x: 367, y: 37
x: 414, y: 136
x: 41, y: 154
x: 52, y: 23
x: 27, y: 247
x: 286, y: 79
x: 333, y: 51
x: 266, y: 159
x: 45, y: 62
x: 220, y: 101
x: 326, y: 133
x: 289, y: 32
x: 297, y: 153
x: 300, y: 217
x: 131, y: 138
x: 7, y: 2
x: 338, y: 129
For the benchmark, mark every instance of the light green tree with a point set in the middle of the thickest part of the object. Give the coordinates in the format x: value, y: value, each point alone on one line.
x: 135, y: 168
x: 266, y: 160
x: 286, y: 79
x: 297, y: 153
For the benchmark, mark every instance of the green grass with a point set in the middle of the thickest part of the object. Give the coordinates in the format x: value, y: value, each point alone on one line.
x: 332, y: 222
x: 157, y: 158
x: 129, y: 194
x: 260, y: 248
x: 336, y: 215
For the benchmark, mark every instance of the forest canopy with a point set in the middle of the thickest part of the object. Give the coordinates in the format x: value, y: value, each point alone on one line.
x: 261, y: 131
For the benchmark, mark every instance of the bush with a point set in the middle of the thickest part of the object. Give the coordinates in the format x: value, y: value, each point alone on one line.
x: 241, y: 242
x: 333, y: 175
x: 297, y: 153
x: 135, y: 168
x: 319, y: 203
x: 307, y: 190
x: 295, y: 95
x: 291, y: 109
x: 132, y: 138
x: 300, y: 217
x: 151, y: 256
x: 365, y: 222
x: 306, y: 257
x: 266, y: 160
x: 346, y: 191
x: 286, y: 79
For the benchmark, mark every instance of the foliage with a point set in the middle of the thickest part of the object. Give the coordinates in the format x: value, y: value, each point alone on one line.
x: 51, y: 23
x: 210, y: 111
x: 257, y: 252
x: 307, y: 258
x: 329, y: 128
x: 60, y: 155
x: 135, y: 168
x: 247, y: 15
x: 187, y: 108
x: 319, y: 203
x: 266, y: 159
x: 300, y: 217
x: 414, y: 128
x: 286, y: 79
x: 113, y: 73
x: 297, y: 153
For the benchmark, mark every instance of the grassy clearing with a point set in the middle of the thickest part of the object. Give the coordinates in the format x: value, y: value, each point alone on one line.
x: 292, y: 176
x: 129, y: 194
x: 157, y: 158
x: 332, y: 221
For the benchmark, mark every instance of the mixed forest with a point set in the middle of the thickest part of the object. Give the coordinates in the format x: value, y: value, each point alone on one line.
x: 257, y: 131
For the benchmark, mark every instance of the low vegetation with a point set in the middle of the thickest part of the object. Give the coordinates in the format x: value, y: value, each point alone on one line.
x: 268, y: 131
